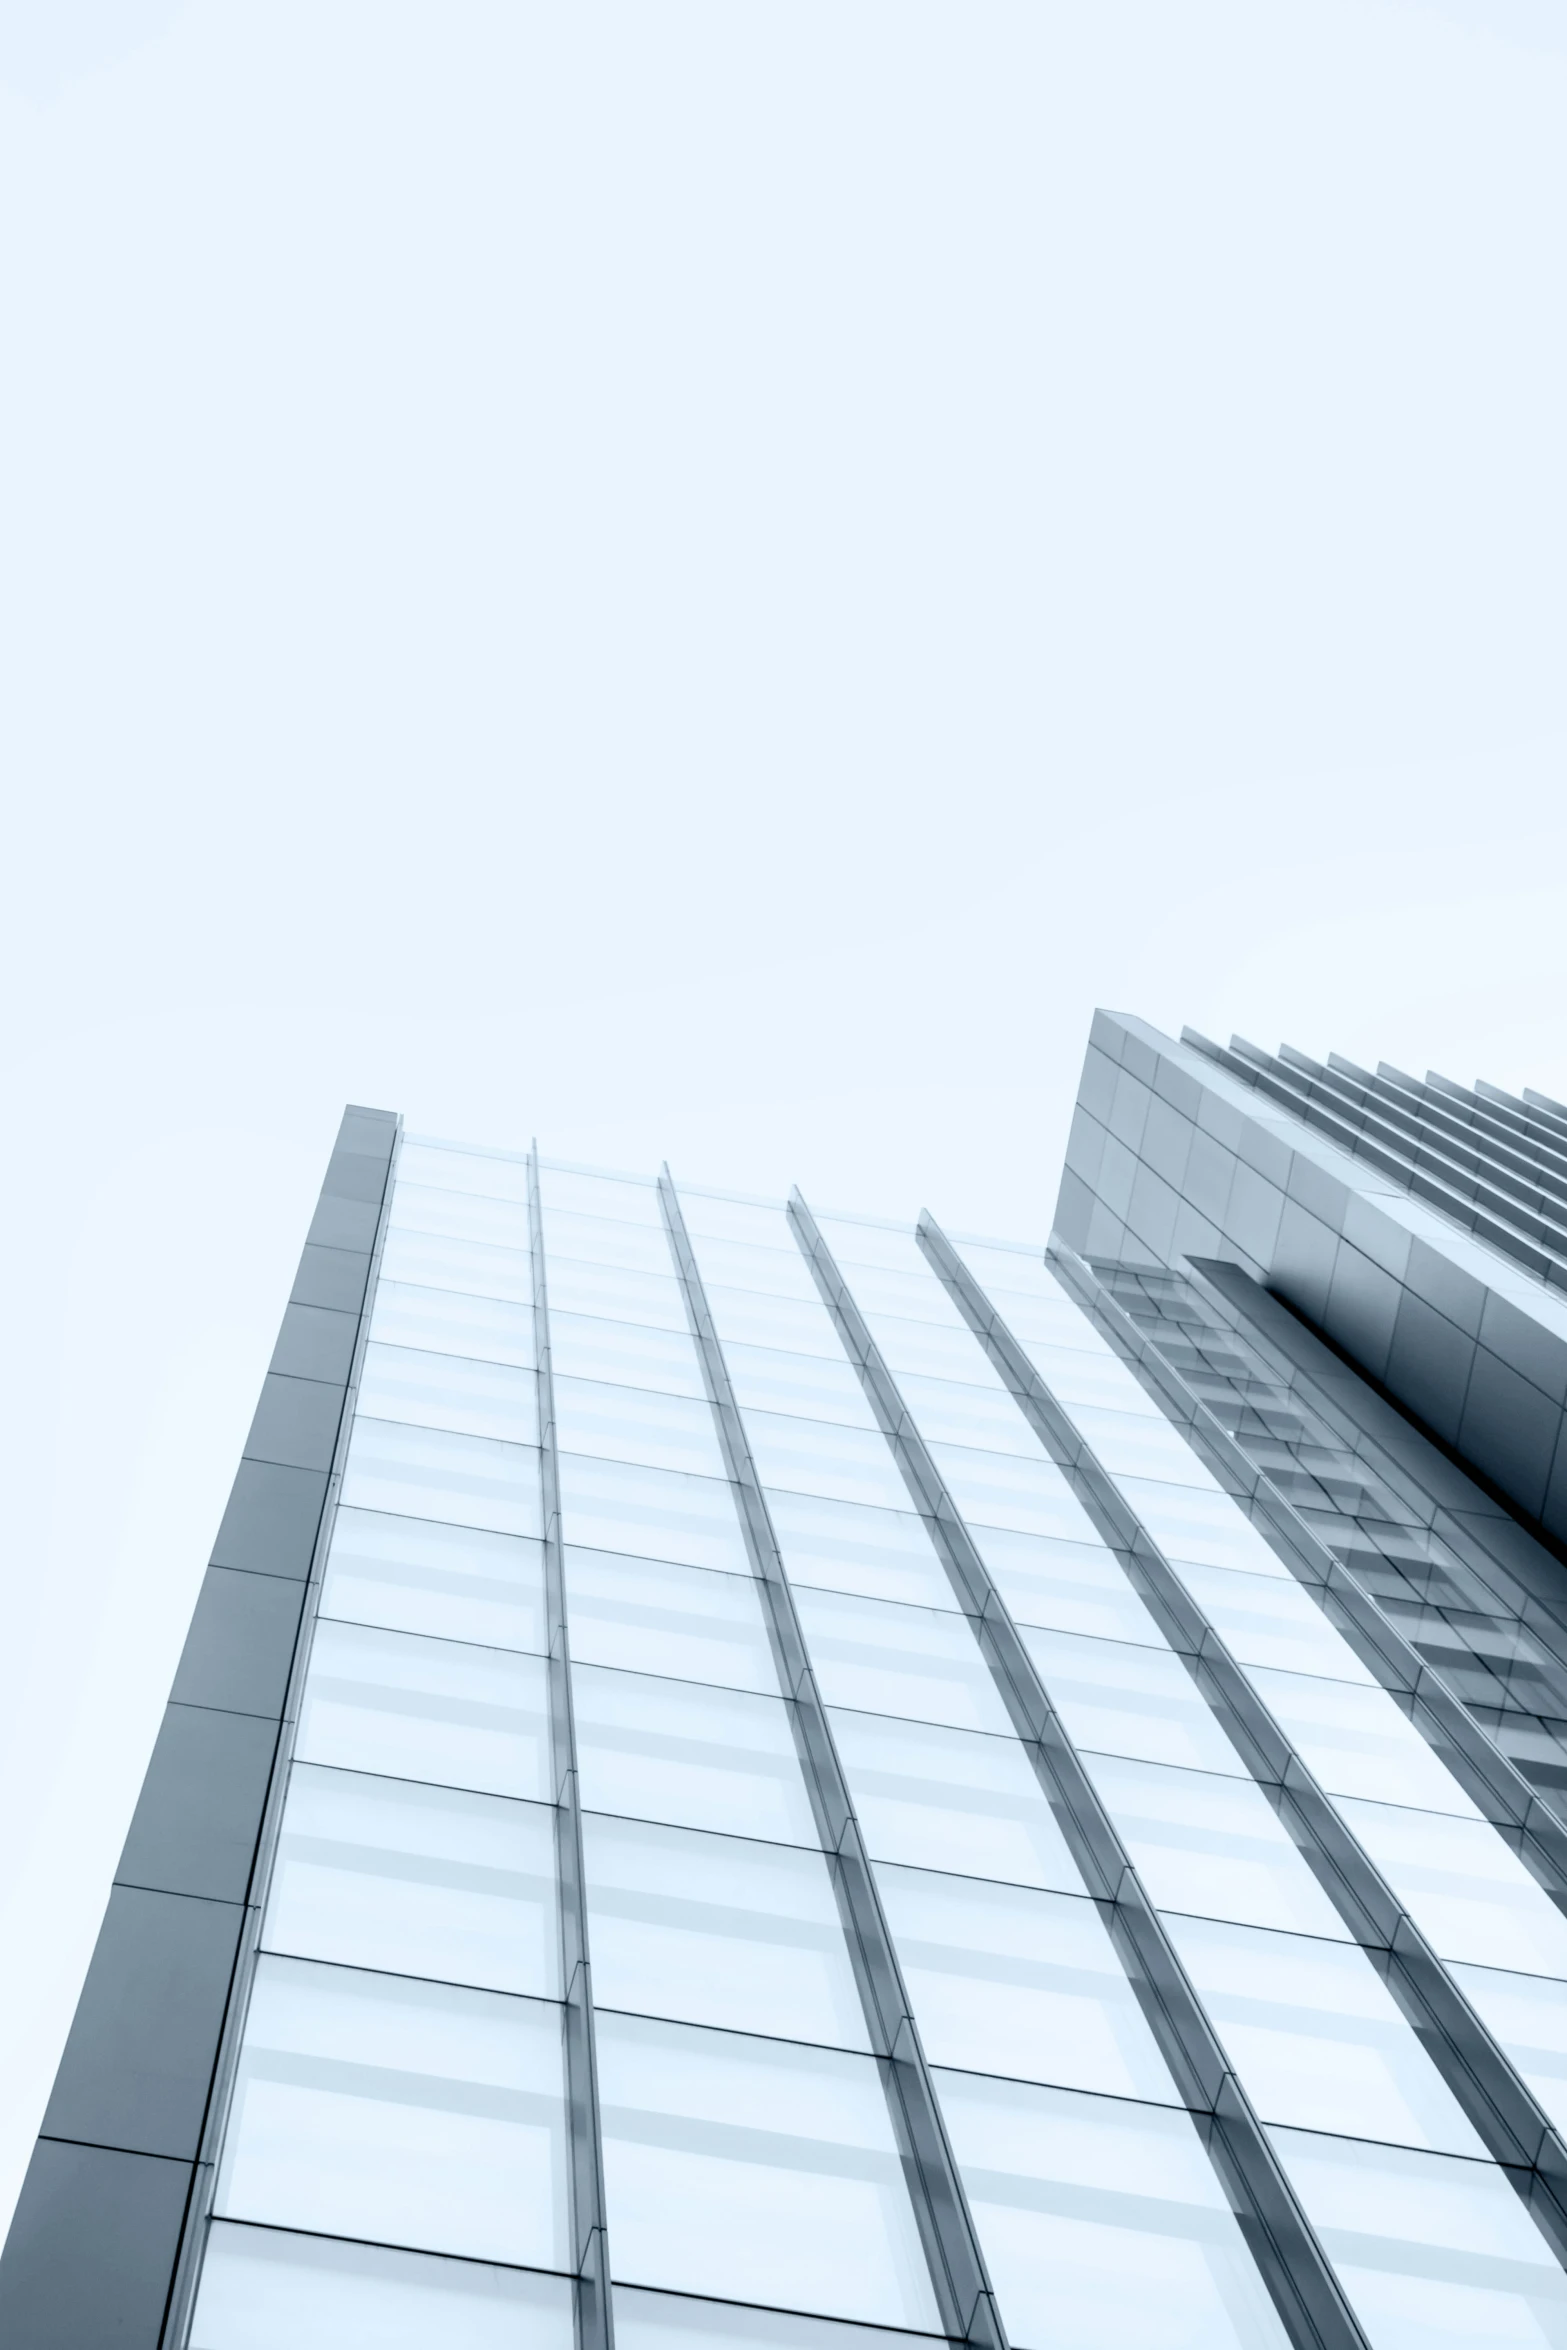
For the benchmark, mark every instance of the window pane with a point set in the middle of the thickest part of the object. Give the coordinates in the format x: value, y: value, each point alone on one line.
x: 605, y: 1240
x: 1103, y: 2223
x: 913, y: 1296
x: 458, y: 1215
x: 474, y: 1265
x: 449, y: 1391
x: 1134, y: 1701
x: 1131, y: 1444
x: 868, y: 1240
x: 698, y: 1758
x: 453, y: 1582
x: 449, y: 1321
x: 488, y: 1172
x: 763, y: 1222
x: 984, y: 1419
x: 935, y: 1349
x: 999, y: 1489
x: 261, y: 2288
x: 1068, y: 1587
x: 766, y: 1379
x: 622, y: 1197
x: 1357, y: 1742
x: 652, y: 1513
x: 425, y: 1473
x: 1208, y: 1527
x: 801, y: 1325
x: 1464, y: 1886
x: 1074, y: 1378
x: 416, y: 1881
x: 1316, y: 2037
x: 688, y: 1622
x: 636, y: 1424
x: 1211, y: 1845
x: 779, y: 1270
x: 1263, y: 1620
x: 663, y: 2321
x: 1528, y: 2015
x: 426, y: 1709
x: 585, y: 1346
x: 952, y: 1799
x: 887, y: 1659
x: 1430, y: 2249
x: 735, y: 2166
x: 843, y: 1546
x: 1007, y: 1980
x: 407, y: 2113
x: 719, y: 1930
x: 821, y: 1456
x: 619, y: 1293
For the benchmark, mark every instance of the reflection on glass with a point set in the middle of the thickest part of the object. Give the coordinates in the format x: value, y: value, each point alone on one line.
x: 1430, y: 2248
x: 652, y: 1513
x: 1007, y: 1980
x: 844, y: 1546
x: 426, y: 1709
x: 1211, y: 1845
x: 689, y: 1622
x: 888, y: 1659
x: 1140, y: 1702
x: 449, y: 1391
x: 719, y: 1930
x: 435, y: 1263
x: 631, y: 1354
x: 458, y: 1215
x: 261, y: 2287
x: 453, y: 1582
x: 695, y: 1757
x: 1103, y: 2222
x: 416, y: 1880
x: 405, y: 2113
x: 1316, y: 2037
x: 820, y: 1456
x: 952, y: 1799
x: 450, y: 1321
x: 426, y: 1473
x: 736, y: 2166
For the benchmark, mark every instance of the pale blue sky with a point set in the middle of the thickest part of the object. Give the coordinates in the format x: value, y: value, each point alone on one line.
x: 703, y: 580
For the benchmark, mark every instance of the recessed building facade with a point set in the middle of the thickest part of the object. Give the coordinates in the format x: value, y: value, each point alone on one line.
x: 745, y: 1775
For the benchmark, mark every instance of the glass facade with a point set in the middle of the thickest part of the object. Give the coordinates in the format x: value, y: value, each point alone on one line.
x: 821, y: 1811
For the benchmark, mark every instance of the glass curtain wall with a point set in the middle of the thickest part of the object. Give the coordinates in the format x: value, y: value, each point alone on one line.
x: 396, y: 2162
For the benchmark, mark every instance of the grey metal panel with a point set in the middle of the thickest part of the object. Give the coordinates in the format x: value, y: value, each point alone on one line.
x: 241, y: 1643
x: 344, y: 1223
x: 332, y: 1277
x: 296, y: 1422
x: 91, y: 2249
x: 1511, y: 1426
x: 316, y: 1342
x: 137, y: 2066
x: 1306, y: 2292
x: 957, y: 2264
x: 593, y: 2299
x: 195, y: 1825
x: 1428, y: 1365
x: 273, y: 1515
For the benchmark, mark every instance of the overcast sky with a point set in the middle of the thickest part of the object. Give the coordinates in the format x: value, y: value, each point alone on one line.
x: 703, y: 581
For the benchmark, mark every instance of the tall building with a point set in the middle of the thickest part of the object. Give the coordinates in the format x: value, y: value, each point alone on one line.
x: 745, y: 1776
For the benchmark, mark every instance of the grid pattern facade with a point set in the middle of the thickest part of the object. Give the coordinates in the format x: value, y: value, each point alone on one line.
x: 826, y: 1805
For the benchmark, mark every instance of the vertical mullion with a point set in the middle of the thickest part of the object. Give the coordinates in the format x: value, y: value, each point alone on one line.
x: 589, y: 2242
x: 1503, y: 2109
x: 1305, y: 2290
x: 963, y: 2289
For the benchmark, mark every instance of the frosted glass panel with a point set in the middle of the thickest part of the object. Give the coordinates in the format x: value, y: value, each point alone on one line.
x: 416, y: 1880
x: 458, y: 1214
x: 454, y: 1169
x: 450, y: 1321
x: 262, y: 2289
x: 1067, y: 1587
x: 739, y: 2166
x: 426, y: 1709
x: 822, y: 1456
x: 765, y: 1379
x: 1358, y: 1742
x: 406, y: 2113
x: 474, y: 1265
x: 1140, y: 1702
x: 653, y: 1513
x: 1464, y: 1886
x: 636, y: 1424
x: 453, y: 1582
x: 1213, y: 1845
x: 449, y: 1391
x: 719, y: 1930
x: 841, y: 1546
x: 1000, y: 1489
x: 885, y: 1659
x: 586, y: 1346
